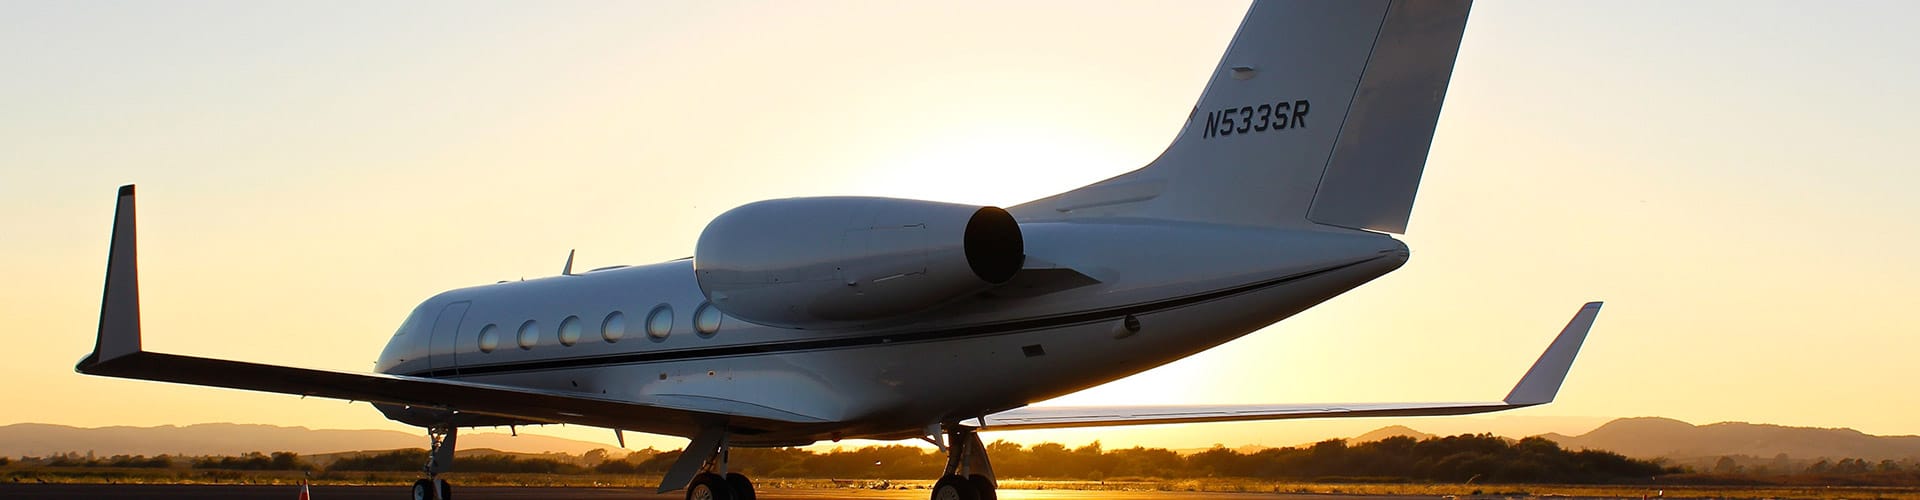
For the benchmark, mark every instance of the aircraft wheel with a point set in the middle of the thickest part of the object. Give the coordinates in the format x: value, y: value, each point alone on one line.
x: 446, y: 490
x: 709, y: 486
x: 983, y: 487
x: 954, y: 488
x: 742, y: 488
x: 423, y: 490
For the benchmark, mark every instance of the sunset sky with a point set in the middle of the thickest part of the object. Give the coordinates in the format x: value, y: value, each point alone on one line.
x: 1735, y: 179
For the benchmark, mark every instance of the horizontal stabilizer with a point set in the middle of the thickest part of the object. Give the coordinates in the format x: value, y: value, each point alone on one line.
x: 1537, y: 387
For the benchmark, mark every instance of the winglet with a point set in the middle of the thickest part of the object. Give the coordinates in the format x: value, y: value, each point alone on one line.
x: 567, y: 270
x: 1542, y: 381
x: 119, y: 333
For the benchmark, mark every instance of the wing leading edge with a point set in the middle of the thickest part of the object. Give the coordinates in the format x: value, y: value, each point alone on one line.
x: 1537, y: 387
x: 117, y: 353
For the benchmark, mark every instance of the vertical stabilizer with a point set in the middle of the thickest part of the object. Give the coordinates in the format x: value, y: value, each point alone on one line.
x: 1376, y: 165
x: 1321, y: 112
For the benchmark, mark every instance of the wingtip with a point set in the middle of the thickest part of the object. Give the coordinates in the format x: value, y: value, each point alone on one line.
x: 1542, y: 382
x: 87, y: 364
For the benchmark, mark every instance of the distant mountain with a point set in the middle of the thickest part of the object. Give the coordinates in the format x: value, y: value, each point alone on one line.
x: 1243, y: 449
x: 232, y: 439
x: 1699, y: 446
x: 1653, y: 437
x: 1387, y: 432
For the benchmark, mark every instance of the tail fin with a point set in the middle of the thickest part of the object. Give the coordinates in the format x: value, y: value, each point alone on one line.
x: 1322, y: 111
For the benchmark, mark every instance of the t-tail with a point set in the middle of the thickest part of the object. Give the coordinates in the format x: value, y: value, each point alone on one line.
x: 1321, y: 113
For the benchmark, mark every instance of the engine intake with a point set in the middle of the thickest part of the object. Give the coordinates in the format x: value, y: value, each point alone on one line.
x: 843, y: 261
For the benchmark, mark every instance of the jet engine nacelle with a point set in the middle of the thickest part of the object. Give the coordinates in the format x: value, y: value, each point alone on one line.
x: 841, y: 261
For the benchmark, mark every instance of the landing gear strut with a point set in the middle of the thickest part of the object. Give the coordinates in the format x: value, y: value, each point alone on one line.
x: 968, y: 475
x: 439, y: 459
x: 705, y: 460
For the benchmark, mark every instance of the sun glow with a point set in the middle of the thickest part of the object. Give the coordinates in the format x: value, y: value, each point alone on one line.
x: 996, y: 165
x: 320, y: 168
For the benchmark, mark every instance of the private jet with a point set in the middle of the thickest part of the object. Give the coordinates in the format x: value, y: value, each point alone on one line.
x: 803, y: 320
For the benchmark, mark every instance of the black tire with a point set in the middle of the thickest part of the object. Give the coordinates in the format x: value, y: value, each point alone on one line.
x: 983, y: 487
x: 446, y: 490
x: 741, y: 486
x: 423, y: 490
x: 954, y: 488
x: 709, y: 486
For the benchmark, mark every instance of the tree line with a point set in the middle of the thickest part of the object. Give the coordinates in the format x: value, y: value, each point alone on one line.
x: 1463, y: 458
x: 397, y: 460
x: 279, y: 460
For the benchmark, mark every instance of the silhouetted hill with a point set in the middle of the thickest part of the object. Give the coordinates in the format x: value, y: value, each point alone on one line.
x: 1387, y: 432
x: 233, y: 439
x: 1699, y: 446
x: 1653, y: 437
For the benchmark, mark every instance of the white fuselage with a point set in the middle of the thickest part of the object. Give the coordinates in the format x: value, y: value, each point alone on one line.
x: 1187, y: 286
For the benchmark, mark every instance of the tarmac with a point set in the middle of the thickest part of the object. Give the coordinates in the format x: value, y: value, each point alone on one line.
x: 237, y: 492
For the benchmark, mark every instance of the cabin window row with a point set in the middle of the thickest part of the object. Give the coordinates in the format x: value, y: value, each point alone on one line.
x: 659, y: 325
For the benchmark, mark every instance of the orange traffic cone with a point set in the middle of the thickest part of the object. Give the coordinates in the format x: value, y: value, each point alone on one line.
x: 303, y: 490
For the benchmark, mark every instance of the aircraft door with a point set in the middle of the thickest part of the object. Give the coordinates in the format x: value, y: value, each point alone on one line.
x: 442, y: 346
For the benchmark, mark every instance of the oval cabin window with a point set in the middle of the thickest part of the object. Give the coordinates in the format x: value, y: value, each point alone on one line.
x: 489, y: 338
x: 570, y: 330
x: 614, y: 327
x: 706, y: 319
x: 660, y: 321
x: 529, y: 335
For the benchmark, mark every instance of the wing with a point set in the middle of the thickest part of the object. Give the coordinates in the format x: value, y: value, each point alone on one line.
x: 117, y: 353
x: 1537, y: 387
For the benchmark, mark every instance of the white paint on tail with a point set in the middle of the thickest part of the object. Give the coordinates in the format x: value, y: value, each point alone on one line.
x: 1321, y: 112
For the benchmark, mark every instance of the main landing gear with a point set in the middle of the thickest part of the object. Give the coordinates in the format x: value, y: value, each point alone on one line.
x: 720, y: 486
x: 705, y: 460
x: 968, y: 475
x: 703, y: 468
x: 439, y: 459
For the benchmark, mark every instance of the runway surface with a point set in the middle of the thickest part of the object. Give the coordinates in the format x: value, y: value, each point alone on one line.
x: 227, y: 492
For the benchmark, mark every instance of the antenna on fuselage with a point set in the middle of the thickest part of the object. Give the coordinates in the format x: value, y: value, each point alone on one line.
x: 568, y: 270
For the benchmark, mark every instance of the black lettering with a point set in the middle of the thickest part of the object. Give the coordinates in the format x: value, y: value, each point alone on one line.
x: 1280, y: 115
